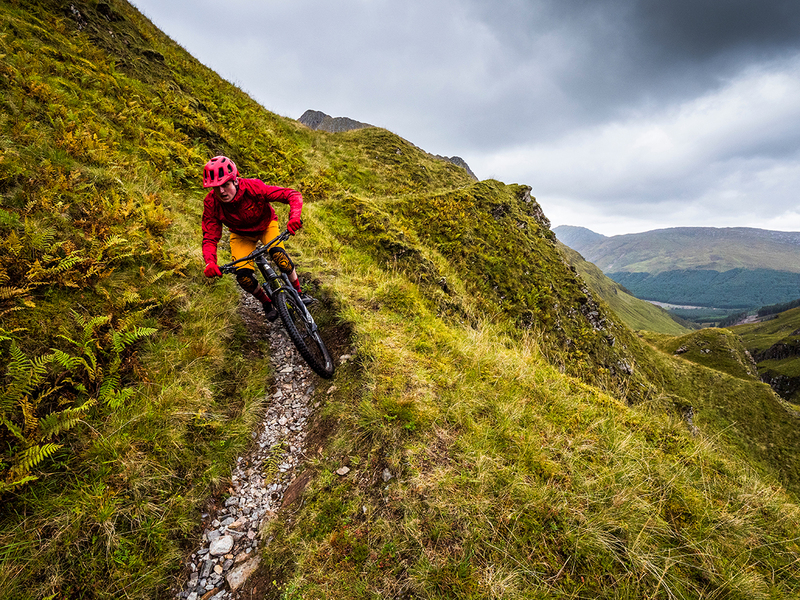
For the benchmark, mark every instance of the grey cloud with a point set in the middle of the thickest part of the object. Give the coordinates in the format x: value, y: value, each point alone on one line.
x: 531, y: 90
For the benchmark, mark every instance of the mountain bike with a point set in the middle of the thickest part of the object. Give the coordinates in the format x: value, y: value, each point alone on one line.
x: 297, y: 320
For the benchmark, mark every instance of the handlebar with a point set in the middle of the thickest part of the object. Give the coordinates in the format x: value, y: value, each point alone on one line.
x: 231, y: 266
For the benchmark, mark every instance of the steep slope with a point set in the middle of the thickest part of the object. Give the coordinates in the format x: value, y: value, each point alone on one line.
x: 505, y: 436
x: 635, y: 313
x: 472, y: 471
x: 775, y: 346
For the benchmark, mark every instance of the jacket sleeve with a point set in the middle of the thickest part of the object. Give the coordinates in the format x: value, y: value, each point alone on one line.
x: 212, y: 230
x: 286, y: 195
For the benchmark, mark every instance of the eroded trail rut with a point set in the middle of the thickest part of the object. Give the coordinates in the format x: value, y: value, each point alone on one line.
x: 229, y: 553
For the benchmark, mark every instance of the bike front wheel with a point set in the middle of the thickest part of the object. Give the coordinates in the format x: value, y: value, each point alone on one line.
x: 303, y: 330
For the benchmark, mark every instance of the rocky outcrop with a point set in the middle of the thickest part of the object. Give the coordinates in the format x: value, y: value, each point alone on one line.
x: 459, y: 162
x: 785, y: 386
x: 318, y: 120
x: 780, y: 351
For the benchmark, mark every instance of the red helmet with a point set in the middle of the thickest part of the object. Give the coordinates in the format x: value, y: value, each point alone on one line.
x: 219, y: 170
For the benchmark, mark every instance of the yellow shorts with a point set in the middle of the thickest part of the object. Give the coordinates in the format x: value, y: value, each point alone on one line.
x: 242, y: 245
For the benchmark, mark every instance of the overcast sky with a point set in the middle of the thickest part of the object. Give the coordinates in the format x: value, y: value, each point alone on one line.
x: 622, y: 115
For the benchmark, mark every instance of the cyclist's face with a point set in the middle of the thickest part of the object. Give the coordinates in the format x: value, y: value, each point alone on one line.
x: 226, y: 191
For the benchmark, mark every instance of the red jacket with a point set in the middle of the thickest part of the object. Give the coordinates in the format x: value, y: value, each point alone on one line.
x: 248, y: 213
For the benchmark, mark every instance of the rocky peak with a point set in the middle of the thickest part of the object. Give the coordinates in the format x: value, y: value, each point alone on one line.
x: 318, y: 120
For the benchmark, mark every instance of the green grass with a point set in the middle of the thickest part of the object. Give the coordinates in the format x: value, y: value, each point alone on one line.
x: 717, y: 349
x: 760, y: 336
x: 510, y: 479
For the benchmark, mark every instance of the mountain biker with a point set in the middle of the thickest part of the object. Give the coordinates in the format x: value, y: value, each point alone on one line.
x: 243, y: 205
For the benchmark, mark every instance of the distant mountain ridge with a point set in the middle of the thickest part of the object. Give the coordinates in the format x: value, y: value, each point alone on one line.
x: 737, y: 267
x: 718, y: 249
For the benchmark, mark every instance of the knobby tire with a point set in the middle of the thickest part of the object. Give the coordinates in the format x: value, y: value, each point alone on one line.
x: 305, y: 338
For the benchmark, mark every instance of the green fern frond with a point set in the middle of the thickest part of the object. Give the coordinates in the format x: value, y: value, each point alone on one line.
x: 129, y: 321
x: 115, y: 240
x: 131, y: 297
x: 90, y: 324
x: 10, y: 486
x: 13, y: 244
x: 39, y: 238
x: 24, y: 374
x: 19, y: 362
x: 66, y: 263
x: 119, y: 257
x: 31, y: 422
x: 64, y: 420
x: 66, y: 361
x: 122, y: 339
x: 108, y: 387
x: 15, y: 431
x: 30, y: 457
x: 159, y: 275
x: 118, y: 398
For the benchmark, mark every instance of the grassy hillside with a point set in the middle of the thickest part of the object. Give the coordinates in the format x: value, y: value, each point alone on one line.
x: 537, y: 447
x: 775, y: 344
x: 635, y: 313
x: 759, y: 337
x: 716, y: 349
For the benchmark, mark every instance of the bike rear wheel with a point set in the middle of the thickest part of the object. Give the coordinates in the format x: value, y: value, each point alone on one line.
x: 304, y: 333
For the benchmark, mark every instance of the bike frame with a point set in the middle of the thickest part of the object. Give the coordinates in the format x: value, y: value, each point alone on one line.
x: 278, y: 283
x: 274, y: 283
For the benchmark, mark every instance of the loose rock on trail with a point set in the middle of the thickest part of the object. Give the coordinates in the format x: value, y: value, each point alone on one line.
x: 229, y: 553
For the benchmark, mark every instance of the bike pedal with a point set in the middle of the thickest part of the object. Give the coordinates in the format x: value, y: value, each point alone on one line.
x: 307, y: 300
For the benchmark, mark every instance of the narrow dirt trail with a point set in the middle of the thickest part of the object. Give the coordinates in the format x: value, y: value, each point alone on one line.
x: 229, y: 553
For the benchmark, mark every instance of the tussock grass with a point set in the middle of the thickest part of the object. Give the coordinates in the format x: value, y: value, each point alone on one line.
x: 511, y: 479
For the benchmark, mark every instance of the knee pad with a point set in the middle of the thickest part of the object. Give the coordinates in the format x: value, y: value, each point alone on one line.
x: 247, y: 279
x: 281, y: 259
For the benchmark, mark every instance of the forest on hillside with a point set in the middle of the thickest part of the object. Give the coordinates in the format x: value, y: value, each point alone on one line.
x: 734, y: 289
